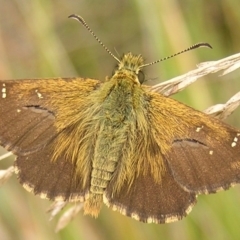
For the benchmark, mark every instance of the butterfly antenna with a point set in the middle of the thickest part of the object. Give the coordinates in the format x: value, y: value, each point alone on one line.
x: 197, y: 45
x: 82, y: 21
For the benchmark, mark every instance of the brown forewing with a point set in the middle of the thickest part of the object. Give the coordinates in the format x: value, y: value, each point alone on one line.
x: 202, y: 152
x: 29, y: 111
x: 202, y: 162
x: 29, y: 108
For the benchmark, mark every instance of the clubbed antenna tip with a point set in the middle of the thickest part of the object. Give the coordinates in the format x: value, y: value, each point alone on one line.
x: 82, y: 21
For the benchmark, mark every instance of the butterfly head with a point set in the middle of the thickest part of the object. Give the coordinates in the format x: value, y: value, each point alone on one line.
x: 131, y: 62
x: 131, y: 65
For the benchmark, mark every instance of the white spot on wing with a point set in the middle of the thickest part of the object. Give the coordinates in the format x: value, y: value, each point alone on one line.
x: 211, y: 152
x: 233, y: 144
x: 38, y: 94
x: 4, y: 91
x: 135, y: 216
x: 198, y: 129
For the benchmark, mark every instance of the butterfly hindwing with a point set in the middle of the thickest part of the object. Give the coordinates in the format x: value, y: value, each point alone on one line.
x: 56, y: 180
x: 149, y: 201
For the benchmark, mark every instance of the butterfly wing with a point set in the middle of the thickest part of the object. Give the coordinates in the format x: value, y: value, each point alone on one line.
x: 55, y: 180
x: 150, y: 201
x: 202, y: 152
x: 26, y: 123
x: 29, y: 111
x: 205, y: 160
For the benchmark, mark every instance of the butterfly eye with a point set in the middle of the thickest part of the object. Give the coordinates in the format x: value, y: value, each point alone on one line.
x: 141, y: 77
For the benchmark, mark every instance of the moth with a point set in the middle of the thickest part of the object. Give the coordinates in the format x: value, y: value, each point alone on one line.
x: 115, y: 142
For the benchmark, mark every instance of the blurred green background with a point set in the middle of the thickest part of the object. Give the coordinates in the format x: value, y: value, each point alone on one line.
x: 37, y: 40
